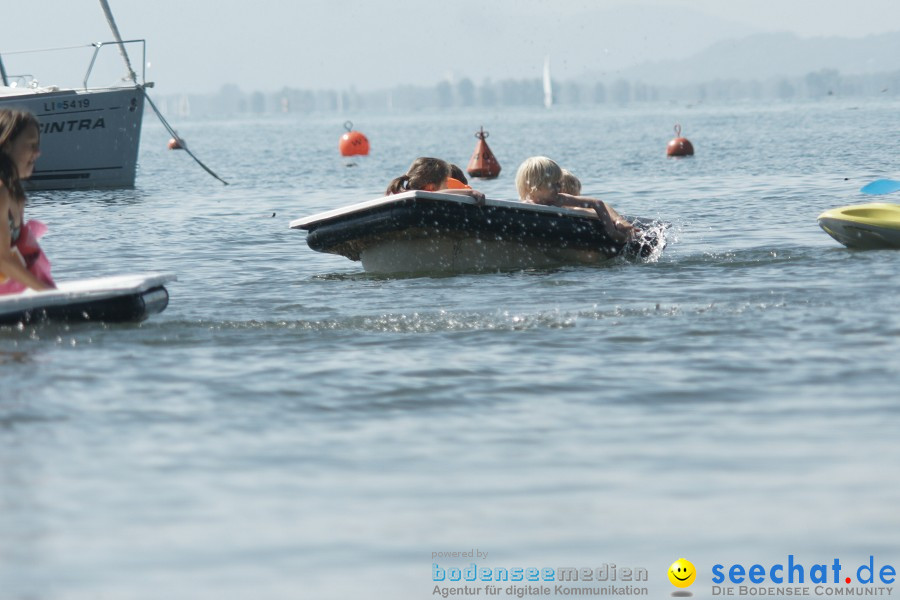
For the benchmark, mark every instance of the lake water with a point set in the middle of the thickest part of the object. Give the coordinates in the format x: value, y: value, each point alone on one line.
x: 292, y: 428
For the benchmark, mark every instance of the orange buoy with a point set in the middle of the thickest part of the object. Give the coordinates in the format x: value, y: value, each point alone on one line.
x: 483, y: 162
x: 353, y: 143
x: 679, y: 146
x: 176, y: 143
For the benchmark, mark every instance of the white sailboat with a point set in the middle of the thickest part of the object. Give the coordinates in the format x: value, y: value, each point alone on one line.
x: 89, y: 135
x: 548, y: 86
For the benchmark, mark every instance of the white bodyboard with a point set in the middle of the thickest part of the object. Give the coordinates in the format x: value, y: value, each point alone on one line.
x: 116, y: 298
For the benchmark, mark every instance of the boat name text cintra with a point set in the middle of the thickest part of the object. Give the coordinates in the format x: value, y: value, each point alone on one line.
x: 73, y: 125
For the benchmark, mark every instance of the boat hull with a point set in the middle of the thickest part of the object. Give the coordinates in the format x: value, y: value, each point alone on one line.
x: 89, y: 138
x: 434, y: 253
x: 865, y: 226
x: 428, y: 232
x: 126, y: 298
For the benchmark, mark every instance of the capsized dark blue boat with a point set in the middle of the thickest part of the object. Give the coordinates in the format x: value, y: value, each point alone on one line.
x: 433, y: 232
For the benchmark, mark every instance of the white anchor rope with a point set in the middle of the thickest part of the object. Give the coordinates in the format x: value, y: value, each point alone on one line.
x: 115, y: 31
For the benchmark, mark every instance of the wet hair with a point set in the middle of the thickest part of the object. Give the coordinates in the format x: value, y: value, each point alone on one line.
x: 12, y: 124
x: 9, y: 179
x: 9, y: 174
x: 457, y: 174
x: 423, y: 172
x: 570, y: 184
x: 535, y: 173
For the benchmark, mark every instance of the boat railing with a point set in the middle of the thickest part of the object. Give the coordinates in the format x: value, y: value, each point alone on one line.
x: 99, y: 45
x: 28, y: 80
x: 22, y: 81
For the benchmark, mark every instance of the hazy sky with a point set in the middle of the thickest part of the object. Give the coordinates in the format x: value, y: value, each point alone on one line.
x: 199, y: 45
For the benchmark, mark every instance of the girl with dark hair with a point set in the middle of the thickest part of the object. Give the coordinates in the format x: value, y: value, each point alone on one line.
x: 430, y: 175
x: 22, y: 263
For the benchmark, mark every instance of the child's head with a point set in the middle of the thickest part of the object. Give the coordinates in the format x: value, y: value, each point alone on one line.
x: 570, y: 184
x: 536, y: 176
x: 457, y: 174
x: 457, y: 180
x: 20, y: 137
x: 425, y: 173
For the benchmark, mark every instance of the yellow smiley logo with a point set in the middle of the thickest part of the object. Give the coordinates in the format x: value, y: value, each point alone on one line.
x: 682, y: 573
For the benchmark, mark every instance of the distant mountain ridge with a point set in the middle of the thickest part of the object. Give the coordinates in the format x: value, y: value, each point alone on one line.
x: 771, y: 55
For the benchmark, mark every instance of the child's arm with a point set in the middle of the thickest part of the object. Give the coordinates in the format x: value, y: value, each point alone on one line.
x: 478, y: 196
x: 617, y: 228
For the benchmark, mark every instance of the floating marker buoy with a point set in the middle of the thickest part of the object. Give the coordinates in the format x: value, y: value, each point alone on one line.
x: 483, y: 162
x: 353, y: 143
x: 176, y: 143
x: 679, y: 146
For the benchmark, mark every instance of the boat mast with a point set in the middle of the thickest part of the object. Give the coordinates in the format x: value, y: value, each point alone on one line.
x: 115, y: 31
x: 3, y: 73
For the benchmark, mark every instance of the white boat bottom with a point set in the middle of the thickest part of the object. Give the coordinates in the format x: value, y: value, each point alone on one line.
x: 443, y: 254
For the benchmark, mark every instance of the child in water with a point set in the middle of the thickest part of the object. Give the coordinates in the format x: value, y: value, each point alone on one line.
x: 431, y: 175
x: 539, y: 180
x: 22, y: 263
x: 570, y: 184
x: 457, y: 179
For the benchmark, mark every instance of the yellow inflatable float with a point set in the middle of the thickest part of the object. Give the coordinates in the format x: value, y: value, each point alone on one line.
x: 864, y: 226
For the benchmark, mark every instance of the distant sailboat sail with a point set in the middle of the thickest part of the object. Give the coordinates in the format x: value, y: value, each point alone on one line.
x: 548, y: 87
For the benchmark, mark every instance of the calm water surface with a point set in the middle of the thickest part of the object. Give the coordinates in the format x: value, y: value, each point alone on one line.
x: 292, y: 428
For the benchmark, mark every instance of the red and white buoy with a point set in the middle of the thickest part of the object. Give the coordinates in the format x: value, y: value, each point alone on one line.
x: 353, y: 143
x: 483, y: 163
x: 679, y: 146
x: 176, y: 143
